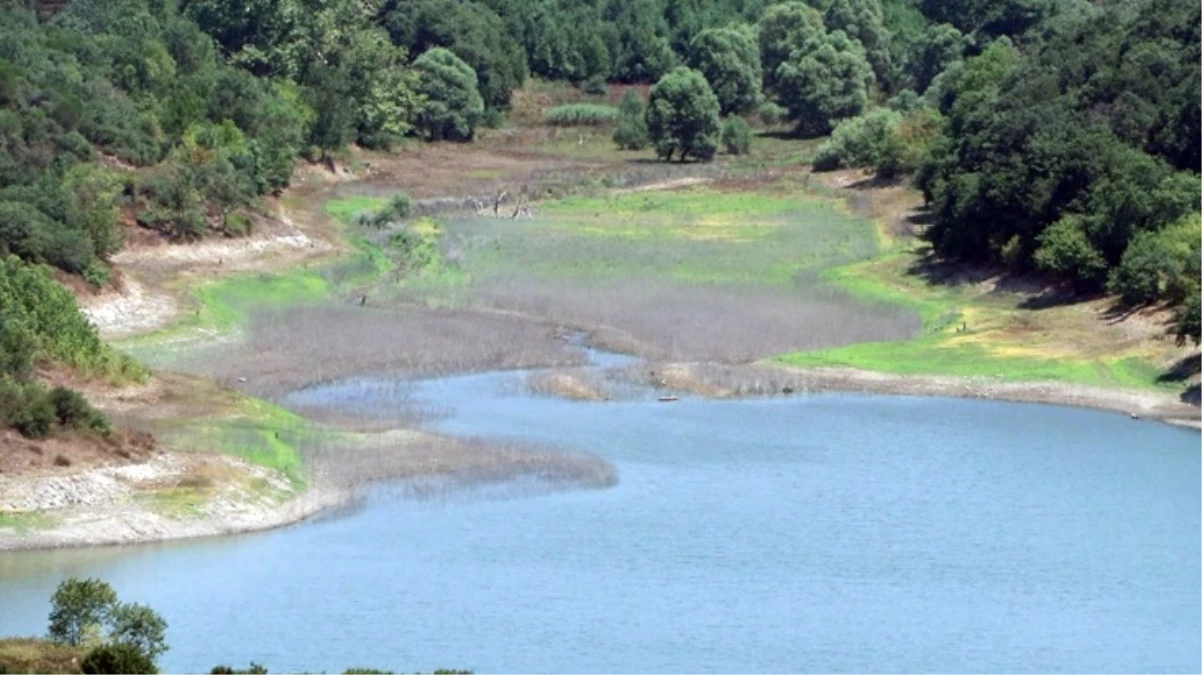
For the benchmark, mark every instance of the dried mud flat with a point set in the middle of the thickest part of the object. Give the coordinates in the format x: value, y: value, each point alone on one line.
x: 705, y: 341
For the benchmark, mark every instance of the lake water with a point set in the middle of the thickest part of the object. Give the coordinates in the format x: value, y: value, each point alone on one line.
x: 810, y: 533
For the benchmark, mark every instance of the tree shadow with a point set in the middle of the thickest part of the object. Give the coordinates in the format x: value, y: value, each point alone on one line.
x: 1183, y: 370
x: 1056, y: 295
x: 939, y: 271
x: 875, y: 182
x: 1192, y: 395
x: 785, y: 135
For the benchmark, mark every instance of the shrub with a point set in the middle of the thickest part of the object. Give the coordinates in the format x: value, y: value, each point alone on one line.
x: 117, y: 659
x: 1139, y: 278
x: 631, y: 133
x: 1065, y: 250
x: 254, y: 669
x: 736, y: 136
x: 18, y: 346
x: 397, y: 209
x: 237, y: 224
x: 858, y: 142
x: 71, y: 409
x: 771, y: 113
x: 580, y: 114
x: 595, y: 86
x: 37, y: 419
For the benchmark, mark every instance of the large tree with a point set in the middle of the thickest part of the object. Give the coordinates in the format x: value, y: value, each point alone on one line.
x: 729, y: 58
x: 452, y: 105
x: 682, y: 116
x: 472, y: 31
x: 783, y: 28
x: 823, y: 82
x: 863, y: 20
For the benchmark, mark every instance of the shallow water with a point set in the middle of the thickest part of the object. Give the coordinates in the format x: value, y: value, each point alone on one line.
x: 818, y: 533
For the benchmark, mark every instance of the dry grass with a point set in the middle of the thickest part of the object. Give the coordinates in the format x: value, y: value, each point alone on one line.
x: 35, y: 655
x: 294, y: 348
x: 426, y: 462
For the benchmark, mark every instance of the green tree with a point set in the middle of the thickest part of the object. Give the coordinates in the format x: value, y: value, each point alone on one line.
x: 824, y: 82
x: 329, y: 96
x: 631, y: 132
x: 138, y: 626
x: 682, y: 116
x: 736, y: 136
x: 858, y: 142
x: 452, y: 107
x: 1189, y: 319
x: 1065, y: 250
x: 470, y: 30
x: 863, y: 20
x: 79, y: 609
x: 940, y: 46
x: 784, y: 28
x: 729, y: 58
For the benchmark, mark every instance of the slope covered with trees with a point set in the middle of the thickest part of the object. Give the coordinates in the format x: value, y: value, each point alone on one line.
x: 1052, y: 136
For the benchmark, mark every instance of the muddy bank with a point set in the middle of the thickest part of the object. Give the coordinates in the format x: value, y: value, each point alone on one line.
x: 726, y: 381
x: 144, y: 502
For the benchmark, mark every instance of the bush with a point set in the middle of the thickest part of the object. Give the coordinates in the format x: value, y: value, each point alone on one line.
x: 18, y: 346
x: 254, y: 669
x: 580, y: 114
x: 237, y: 224
x: 771, y: 114
x: 631, y: 133
x: 858, y: 142
x: 595, y: 86
x: 117, y: 659
x: 1139, y: 278
x: 736, y: 136
x: 397, y: 209
x: 1065, y: 250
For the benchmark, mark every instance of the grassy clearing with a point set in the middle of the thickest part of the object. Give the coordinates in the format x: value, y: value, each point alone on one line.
x: 252, y: 429
x: 697, y: 235
x: 970, y: 332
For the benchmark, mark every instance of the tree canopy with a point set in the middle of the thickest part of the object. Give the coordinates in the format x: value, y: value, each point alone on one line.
x: 729, y: 59
x: 682, y: 116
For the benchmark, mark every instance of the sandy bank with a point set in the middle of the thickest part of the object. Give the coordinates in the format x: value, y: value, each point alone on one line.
x: 143, y: 502
x: 725, y: 381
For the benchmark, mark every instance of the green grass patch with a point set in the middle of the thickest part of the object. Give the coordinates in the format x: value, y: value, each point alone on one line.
x: 988, y: 347
x: 697, y: 235
x: 176, y: 502
x: 252, y: 429
x: 25, y: 521
x: 347, y: 209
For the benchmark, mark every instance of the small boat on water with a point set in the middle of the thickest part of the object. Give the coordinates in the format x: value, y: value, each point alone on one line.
x: 667, y: 399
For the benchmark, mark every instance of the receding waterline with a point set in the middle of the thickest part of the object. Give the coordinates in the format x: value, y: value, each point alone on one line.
x: 817, y: 533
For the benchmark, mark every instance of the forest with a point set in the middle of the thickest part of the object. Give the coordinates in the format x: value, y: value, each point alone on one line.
x: 1052, y: 137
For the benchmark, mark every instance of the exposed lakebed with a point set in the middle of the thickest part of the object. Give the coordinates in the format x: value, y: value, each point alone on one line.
x: 816, y: 532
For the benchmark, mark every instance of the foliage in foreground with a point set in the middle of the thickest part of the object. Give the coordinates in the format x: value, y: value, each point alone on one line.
x: 121, y: 638
x: 85, y: 611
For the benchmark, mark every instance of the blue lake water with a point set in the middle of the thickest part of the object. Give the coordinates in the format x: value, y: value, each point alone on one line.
x: 810, y: 533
